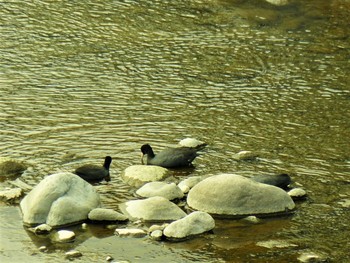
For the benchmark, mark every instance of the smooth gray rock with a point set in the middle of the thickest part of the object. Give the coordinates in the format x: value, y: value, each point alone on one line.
x: 234, y: 195
x: 103, y: 214
x: 11, y: 194
x: 193, y: 224
x: 186, y: 184
x: 245, y: 156
x: 138, y: 175
x: 169, y: 191
x: 152, y: 209
x: 191, y: 142
x: 59, y: 199
x: 63, y: 236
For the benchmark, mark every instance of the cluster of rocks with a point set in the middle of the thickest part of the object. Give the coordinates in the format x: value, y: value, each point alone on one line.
x: 186, y: 208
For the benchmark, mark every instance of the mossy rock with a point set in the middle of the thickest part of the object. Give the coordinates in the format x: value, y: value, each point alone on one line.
x: 10, y: 168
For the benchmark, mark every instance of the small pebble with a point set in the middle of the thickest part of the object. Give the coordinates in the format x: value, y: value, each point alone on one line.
x: 42, y: 229
x: 297, y: 193
x: 43, y: 249
x: 244, y: 156
x: 64, y: 236
x: 157, y: 235
x: 109, y: 258
x: 130, y: 232
x: 252, y: 219
x: 84, y: 226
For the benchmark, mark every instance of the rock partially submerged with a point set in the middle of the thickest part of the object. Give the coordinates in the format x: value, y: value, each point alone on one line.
x: 11, y: 168
x: 191, y: 142
x: 59, y: 199
x: 169, y: 191
x: 63, y: 236
x: 186, y: 184
x: 245, y: 156
x: 103, y: 214
x: 130, y: 232
x: 11, y: 195
x: 234, y: 195
x: 193, y: 224
x: 152, y: 209
x: 138, y: 175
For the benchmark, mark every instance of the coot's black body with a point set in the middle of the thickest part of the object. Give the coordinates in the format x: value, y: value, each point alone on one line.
x: 95, y: 173
x: 170, y: 157
x: 280, y: 180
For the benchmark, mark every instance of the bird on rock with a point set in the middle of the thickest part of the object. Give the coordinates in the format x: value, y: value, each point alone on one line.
x: 95, y: 173
x: 170, y: 157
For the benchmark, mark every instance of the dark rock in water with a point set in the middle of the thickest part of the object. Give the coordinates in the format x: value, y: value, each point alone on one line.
x: 279, y: 180
x: 11, y: 168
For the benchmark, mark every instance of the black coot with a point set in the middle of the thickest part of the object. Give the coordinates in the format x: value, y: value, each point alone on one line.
x: 170, y: 157
x: 95, y: 173
x: 279, y: 180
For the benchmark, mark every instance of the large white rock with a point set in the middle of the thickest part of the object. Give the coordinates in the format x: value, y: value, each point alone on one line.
x: 138, y: 175
x: 59, y: 199
x: 193, y: 224
x: 169, y: 191
x: 234, y: 195
x: 152, y: 209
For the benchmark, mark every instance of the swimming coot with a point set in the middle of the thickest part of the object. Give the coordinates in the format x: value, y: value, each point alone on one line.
x: 170, y: 157
x: 279, y: 180
x: 95, y: 173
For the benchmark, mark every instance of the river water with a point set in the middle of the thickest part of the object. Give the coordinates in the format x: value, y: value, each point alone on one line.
x: 80, y: 80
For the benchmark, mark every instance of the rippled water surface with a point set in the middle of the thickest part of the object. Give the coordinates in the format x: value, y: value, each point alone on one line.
x: 80, y: 80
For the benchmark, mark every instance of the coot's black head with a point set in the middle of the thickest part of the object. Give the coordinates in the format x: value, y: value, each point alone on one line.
x: 146, y: 149
x: 108, y: 161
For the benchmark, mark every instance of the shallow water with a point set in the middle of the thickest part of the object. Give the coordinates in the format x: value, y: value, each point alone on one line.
x: 82, y: 80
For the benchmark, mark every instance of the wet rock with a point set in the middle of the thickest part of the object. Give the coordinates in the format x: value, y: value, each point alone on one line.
x: 234, y: 195
x: 43, y: 249
x: 157, y: 235
x: 63, y: 236
x: 275, y: 244
x: 297, y: 193
x: 245, y: 156
x: 11, y: 168
x: 103, y: 214
x: 191, y: 142
x: 152, y: 209
x: 59, y: 199
x: 157, y: 227
x: 193, y: 224
x: 11, y: 195
x: 109, y: 258
x: 73, y: 254
x: 311, y: 257
x: 186, y: 184
x: 41, y: 229
x: 169, y: 191
x: 278, y: 2
x: 138, y: 175
x: 130, y: 232
x: 251, y: 219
